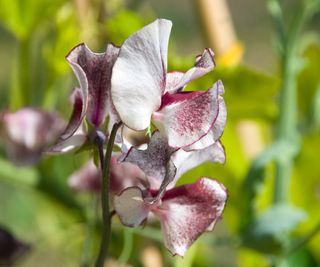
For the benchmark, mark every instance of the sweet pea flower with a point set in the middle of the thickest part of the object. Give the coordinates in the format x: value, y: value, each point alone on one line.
x: 92, y: 100
x: 28, y: 132
x: 122, y: 175
x: 142, y: 90
x: 176, y: 207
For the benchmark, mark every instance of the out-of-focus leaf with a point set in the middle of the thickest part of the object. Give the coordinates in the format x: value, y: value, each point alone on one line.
x: 309, y: 78
x: 123, y: 24
x: 22, y: 176
x: 279, y: 151
x: 268, y: 232
x: 22, y: 17
x: 302, y: 257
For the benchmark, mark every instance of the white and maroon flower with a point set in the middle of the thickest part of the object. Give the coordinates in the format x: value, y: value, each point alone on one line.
x: 142, y: 90
x: 176, y: 207
x: 28, y: 132
x: 92, y: 100
x: 122, y: 175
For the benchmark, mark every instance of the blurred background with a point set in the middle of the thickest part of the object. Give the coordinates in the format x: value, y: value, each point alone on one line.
x: 53, y: 223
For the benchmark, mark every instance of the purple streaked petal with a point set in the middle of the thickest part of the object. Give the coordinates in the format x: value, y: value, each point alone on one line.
x: 216, y: 131
x: 139, y: 74
x: 204, y: 64
x: 93, y: 71
x: 131, y: 207
x: 78, y: 113
x: 187, y: 160
x: 188, y: 211
x: 152, y: 161
x: 185, y: 122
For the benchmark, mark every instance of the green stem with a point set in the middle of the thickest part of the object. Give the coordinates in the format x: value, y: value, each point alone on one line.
x: 106, y: 217
x: 287, y: 123
x: 90, y: 223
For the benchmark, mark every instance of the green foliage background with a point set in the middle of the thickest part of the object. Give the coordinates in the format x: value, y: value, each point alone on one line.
x: 37, y: 205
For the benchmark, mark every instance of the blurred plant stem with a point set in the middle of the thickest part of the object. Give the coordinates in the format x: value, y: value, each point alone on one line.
x: 287, y: 128
x: 288, y: 43
x: 91, y: 220
x: 106, y: 216
x: 21, y: 85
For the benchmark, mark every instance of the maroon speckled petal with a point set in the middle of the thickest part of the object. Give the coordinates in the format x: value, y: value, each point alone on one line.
x: 204, y: 64
x: 93, y: 71
x: 186, y: 117
x: 78, y: 113
x: 154, y: 160
x: 131, y: 207
x: 188, y: 211
x: 139, y: 74
x: 187, y: 160
x: 216, y: 131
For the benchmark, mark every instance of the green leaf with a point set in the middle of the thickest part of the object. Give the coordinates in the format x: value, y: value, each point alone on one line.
x: 268, y: 232
x: 22, y: 176
x: 279, y: 151
x: 115, y: 26
x: 22, y: 17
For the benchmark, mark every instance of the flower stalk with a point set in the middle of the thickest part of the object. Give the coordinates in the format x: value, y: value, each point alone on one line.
x: 106, y: 217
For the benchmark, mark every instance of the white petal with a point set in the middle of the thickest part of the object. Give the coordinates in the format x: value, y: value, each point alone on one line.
x: 139, y: 74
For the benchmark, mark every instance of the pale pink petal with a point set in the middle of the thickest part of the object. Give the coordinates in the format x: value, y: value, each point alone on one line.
x: 188, y: 211
x: 28, y: 132
x: 124, y: 175
x: 152, y: 161
x: 215, y: 132
x: 70, y: 144
x: 139, y: 74
x: 87, y: 179
x: 186, y: 117
x: 78, y: 113
x: 187, y: 160
x: 204, y: 64
x: 93, y: 71
x: 131, y: 207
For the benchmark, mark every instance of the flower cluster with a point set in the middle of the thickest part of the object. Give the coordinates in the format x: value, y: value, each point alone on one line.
x: 132, y: 86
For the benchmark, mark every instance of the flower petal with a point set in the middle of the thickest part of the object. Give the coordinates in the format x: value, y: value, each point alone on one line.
x: 93, y: 71
x: 124, y: 175
x: 186, y: 120
x: 64, y: 146
x: 88, y: 178
x: 216, y: 131
x: 187, y: 160
x: 204, y: 64
x: 152, y: 161
x: 188, y: 211
x: 139, y: 74
x: 78, y: 113
x: 130, y: 207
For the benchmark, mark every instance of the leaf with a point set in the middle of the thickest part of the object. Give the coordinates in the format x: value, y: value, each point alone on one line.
x: 117, y: 33
x: 268, y: 232
x: 22, y: 17
x: 22, y: 176
x: 279, y: 151
x: 309, y: 78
